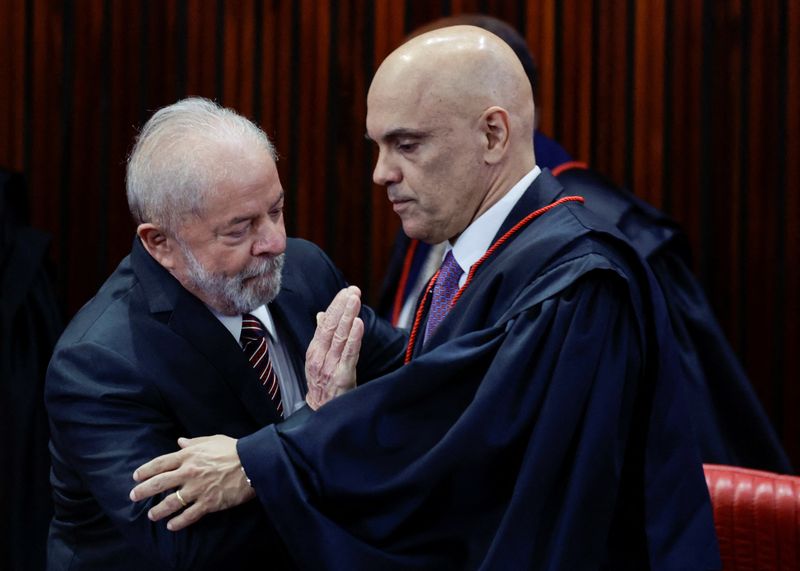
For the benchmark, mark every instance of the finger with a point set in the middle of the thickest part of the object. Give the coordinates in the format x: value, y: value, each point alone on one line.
x: 155, y: 485
x: 341, y: 336
x: 326, y: 325
x: 166, y: 507
x: 189, y: 516
x: 187, y: 442
x: 343, y: 328
x: 158, y: 465
x: 346, y: 375
x: 337, y: 309
x: 353, y: 346
x: 334, y: 312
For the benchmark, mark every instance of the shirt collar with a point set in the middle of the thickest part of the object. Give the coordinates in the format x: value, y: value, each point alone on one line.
x: 233, y: 323
x: 477, y: 238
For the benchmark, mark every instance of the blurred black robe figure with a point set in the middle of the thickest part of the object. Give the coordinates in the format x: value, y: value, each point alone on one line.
x: 30, y: 323
x: 542, y: 426
x: 732, y: 426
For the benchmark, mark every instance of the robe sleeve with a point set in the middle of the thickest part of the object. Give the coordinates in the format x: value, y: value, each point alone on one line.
x: 502, y: 448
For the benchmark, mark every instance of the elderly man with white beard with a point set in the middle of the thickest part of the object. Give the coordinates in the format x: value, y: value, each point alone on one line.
x: 202, y: 329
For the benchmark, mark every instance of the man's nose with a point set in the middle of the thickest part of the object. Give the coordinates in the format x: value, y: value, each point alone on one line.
x: 385, y: 172
x: 271, y: 240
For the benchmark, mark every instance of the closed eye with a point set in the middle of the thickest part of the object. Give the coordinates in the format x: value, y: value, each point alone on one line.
x: 276, y: 213
x: 406, y: 140
x: 407, y: 147
x: 239, y: 231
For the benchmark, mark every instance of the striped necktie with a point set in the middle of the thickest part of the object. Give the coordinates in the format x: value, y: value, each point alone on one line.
x: 254, y: 344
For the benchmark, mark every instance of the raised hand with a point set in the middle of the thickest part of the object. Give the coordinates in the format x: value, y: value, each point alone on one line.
x: 333, y: 353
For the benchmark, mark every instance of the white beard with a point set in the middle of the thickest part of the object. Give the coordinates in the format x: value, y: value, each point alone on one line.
x: 232, y: 294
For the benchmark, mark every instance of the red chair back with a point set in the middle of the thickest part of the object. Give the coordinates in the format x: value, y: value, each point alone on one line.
x: 757, y: 516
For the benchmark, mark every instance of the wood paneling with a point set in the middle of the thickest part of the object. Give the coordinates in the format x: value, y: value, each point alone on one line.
x: 540, y: 31
x: 612, y: 111
x: 691, y: 104
x: 12, y: 89
x: 790, y: 321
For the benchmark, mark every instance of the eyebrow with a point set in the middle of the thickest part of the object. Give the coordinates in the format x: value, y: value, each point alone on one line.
x: 400, y: 133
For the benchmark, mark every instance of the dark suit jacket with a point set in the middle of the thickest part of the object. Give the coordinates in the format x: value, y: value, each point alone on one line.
x: 145, y: 362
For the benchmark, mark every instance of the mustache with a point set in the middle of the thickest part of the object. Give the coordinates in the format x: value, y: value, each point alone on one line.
x: 268, y: 265
x: 395, y: 196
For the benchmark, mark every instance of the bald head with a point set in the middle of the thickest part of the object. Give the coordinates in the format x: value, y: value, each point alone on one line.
x: 452, y: 113
x: 465, y: 68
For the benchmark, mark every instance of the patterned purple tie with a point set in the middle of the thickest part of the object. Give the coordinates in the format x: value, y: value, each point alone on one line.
x: 444, y: 290
x: 254, y: 344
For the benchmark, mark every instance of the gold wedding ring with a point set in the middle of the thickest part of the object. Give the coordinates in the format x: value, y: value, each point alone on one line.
x: 180, y: 498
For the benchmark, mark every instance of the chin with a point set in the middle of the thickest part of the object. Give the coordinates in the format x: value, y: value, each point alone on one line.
x: 426, y: 237
x: 413, y: 231
x: 266, y: 291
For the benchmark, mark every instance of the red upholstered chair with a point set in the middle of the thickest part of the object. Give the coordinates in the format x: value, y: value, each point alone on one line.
x: 757, y: 516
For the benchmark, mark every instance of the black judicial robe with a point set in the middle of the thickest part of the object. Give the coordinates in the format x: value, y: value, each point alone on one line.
x: 731, y: 424
x: 541, y: 427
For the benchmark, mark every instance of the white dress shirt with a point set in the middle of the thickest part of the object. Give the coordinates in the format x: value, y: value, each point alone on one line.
x: 473, y: 242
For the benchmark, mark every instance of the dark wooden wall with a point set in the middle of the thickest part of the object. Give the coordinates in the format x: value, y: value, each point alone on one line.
x: 691, y: 103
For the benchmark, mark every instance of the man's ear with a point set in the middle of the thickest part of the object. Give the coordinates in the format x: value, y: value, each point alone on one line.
x: 494, y: 122
x: 157, y: 244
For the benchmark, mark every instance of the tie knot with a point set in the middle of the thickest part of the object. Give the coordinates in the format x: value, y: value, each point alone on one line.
x: 252, y: 329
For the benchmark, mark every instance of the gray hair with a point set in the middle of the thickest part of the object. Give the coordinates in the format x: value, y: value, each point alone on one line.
x: 181, y: 154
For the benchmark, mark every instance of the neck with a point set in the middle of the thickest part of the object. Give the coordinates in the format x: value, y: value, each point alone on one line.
x: 500, y: 184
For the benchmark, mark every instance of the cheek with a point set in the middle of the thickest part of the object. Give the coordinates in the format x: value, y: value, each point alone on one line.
x: 430, y: 183
x: 242, y: 259
x: 231, y: 261
x: 445, y: 188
